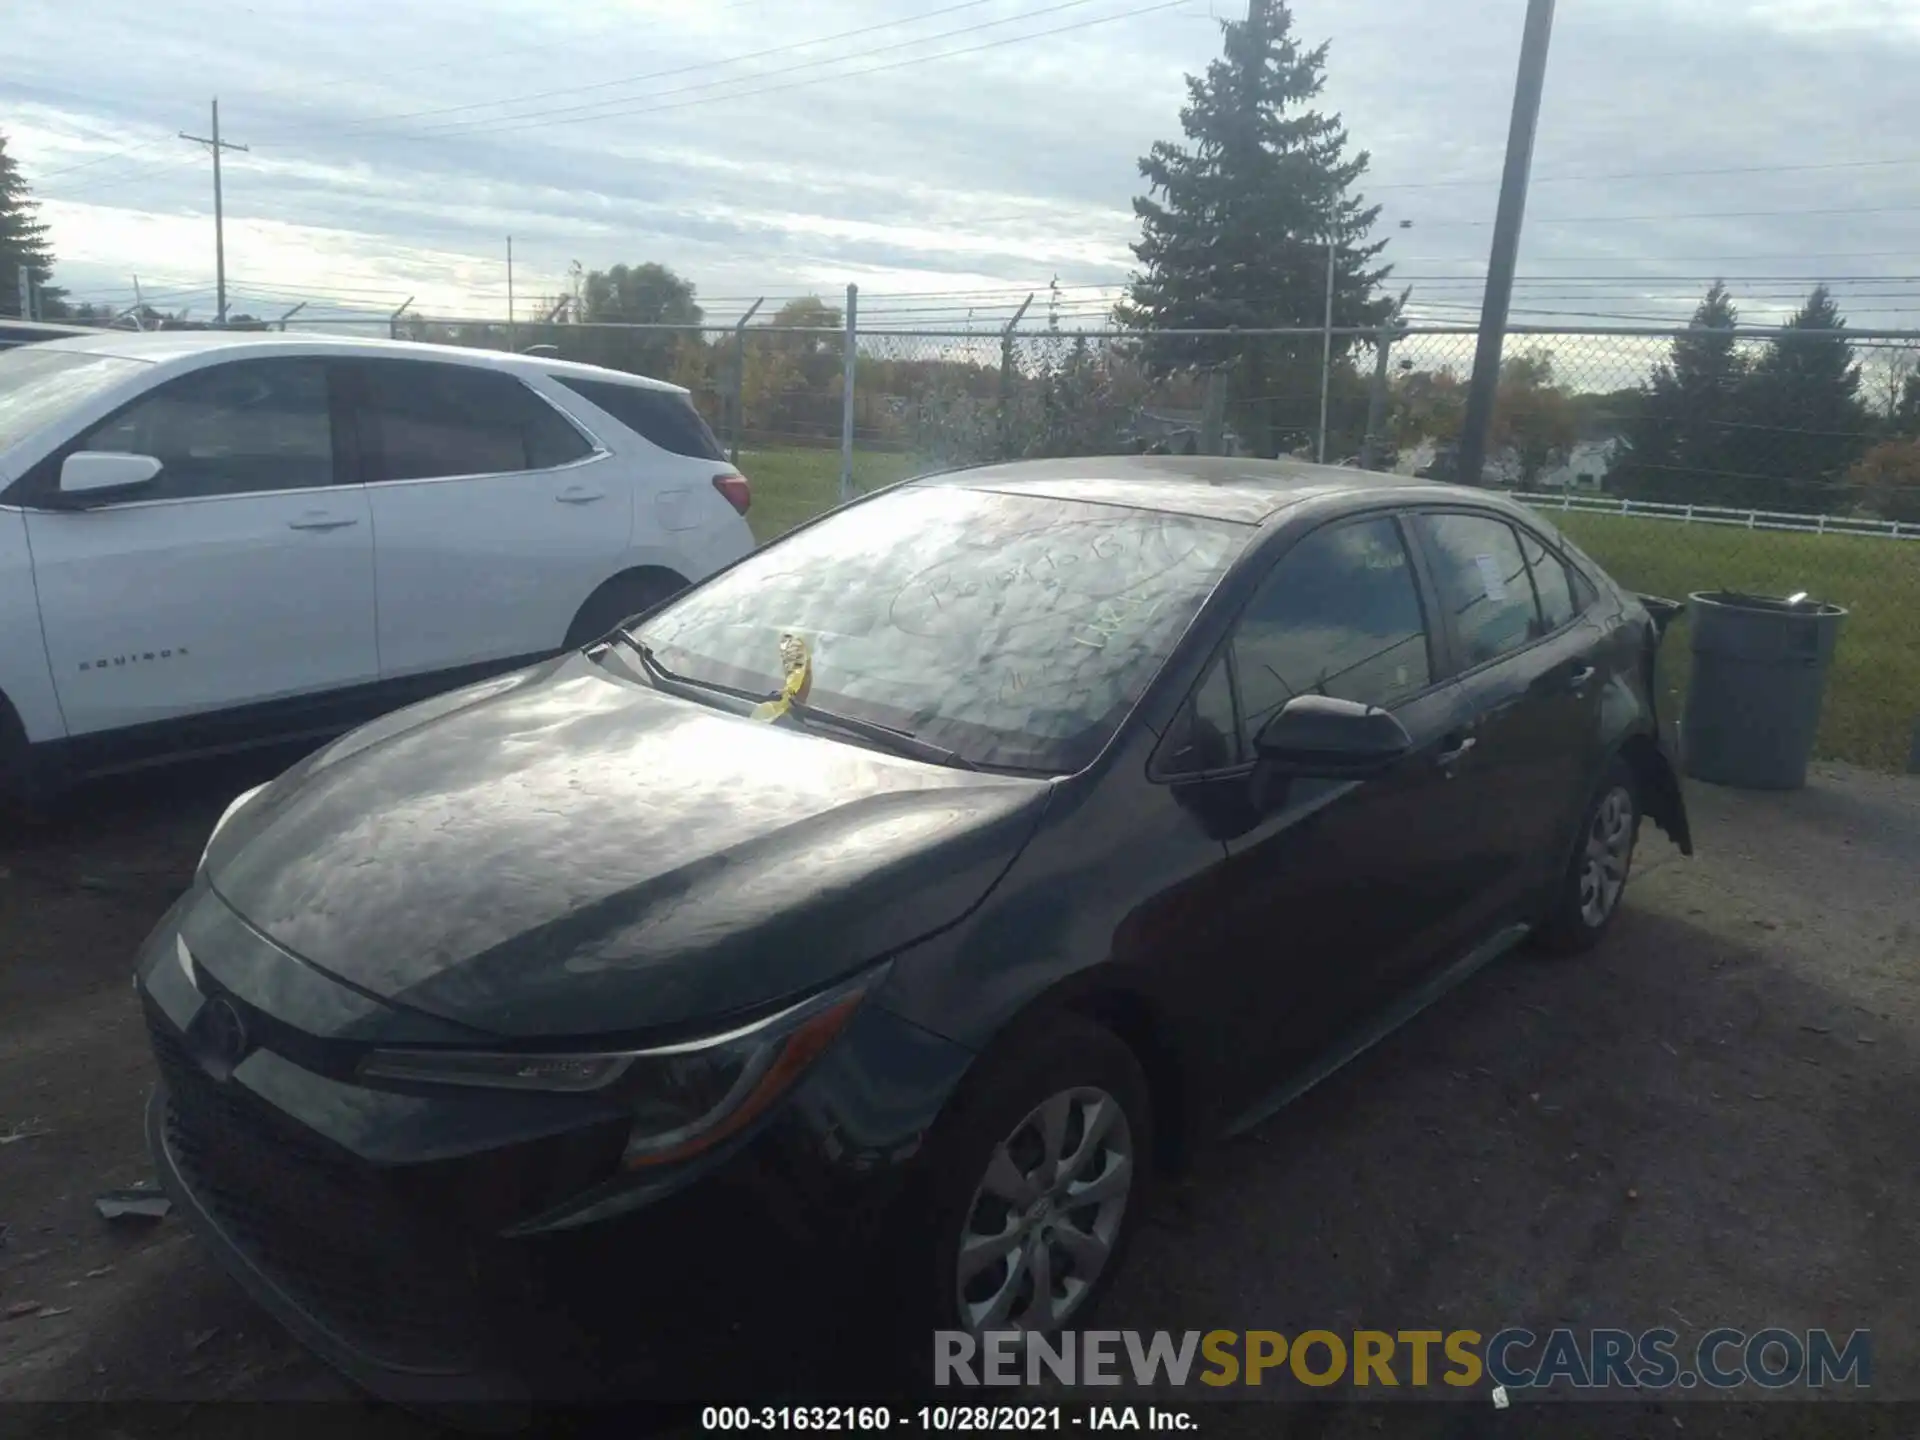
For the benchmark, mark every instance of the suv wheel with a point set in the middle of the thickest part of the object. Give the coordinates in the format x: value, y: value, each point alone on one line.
x: 621, y: 598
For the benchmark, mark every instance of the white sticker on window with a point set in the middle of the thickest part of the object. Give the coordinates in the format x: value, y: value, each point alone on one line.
x: 1491, y: 580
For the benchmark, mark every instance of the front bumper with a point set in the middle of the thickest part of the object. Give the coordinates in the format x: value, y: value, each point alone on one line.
x: 438, y: 1251
x: 456, y: 1381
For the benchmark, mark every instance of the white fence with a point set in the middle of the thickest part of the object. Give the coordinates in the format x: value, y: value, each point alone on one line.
x: 1719, y: 515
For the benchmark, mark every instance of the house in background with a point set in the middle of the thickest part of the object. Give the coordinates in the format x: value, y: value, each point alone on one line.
x: 1167, y: 431
x: 1585, y: 468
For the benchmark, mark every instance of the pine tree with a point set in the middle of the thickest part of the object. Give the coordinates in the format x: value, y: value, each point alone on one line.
x: 1679, y: 445
x: 1236, y: 224
x: 23, y: 241
x: 1801, y: 422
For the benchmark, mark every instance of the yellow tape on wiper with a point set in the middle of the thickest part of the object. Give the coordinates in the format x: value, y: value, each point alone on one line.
x: 797, y: 661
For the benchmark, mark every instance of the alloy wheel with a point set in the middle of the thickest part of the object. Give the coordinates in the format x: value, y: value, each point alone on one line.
x: 1046, y: 1214
x: 1609, y: 850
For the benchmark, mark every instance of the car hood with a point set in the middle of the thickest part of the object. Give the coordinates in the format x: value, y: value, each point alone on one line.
x: 562, y: 853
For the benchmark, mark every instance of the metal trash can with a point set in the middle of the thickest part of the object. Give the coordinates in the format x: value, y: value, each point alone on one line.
x: 1759, y: 671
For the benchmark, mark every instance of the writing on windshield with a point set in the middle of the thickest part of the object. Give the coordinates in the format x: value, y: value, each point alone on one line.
x: 1013, y: 630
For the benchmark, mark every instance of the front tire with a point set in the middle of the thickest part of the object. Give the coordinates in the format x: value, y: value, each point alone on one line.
x: 22, y: 787
x: 1037, y: 1182
x: 1590, y: 893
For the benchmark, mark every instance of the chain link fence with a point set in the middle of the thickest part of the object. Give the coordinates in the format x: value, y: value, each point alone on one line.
x: 1763, y: 461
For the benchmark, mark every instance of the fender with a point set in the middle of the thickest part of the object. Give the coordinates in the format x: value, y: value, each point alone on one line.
x: 26, y: 677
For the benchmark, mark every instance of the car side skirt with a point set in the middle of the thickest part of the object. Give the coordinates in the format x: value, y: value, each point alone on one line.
x: 246, y: 727
x: 1377, y: 1027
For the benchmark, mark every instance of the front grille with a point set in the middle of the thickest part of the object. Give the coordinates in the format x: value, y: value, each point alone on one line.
x: 323, y: 1225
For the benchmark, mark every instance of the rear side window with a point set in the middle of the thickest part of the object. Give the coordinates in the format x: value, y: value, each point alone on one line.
x: 665, y: 417
x: 1482, y: 579
x: 1551, y: 583
x: 420, y: 421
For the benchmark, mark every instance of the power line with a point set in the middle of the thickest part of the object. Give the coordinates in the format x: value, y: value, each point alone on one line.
x: 1657, y: 174
x: 519, y: 51
x: 94, y: 187
x: 559, y: 116
x: 1671, y: 259
x: 376, y: 121
x: 102, y: 159
x: 1694, y: 215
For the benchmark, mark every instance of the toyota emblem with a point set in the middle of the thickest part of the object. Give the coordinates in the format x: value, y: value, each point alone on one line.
x: 223, y: 1038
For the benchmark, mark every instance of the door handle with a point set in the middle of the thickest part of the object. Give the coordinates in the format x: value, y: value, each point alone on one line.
x: 1447, y: 759
x: 579, y: 495
x: 321, y: 520
x: 1577, y: 681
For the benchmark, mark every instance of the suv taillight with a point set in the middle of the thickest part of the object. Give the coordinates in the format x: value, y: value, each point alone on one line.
x: 734, y: 486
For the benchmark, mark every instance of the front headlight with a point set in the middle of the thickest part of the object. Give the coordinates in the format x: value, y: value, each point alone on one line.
x: 684, y: 1098
x: 226, y: 815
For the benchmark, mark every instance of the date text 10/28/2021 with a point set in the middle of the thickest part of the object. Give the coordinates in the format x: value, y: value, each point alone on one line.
x: 941, y: 1419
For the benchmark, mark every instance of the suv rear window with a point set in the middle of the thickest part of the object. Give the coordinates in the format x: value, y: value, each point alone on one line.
x: 665, y: 417
x: 423, y: 421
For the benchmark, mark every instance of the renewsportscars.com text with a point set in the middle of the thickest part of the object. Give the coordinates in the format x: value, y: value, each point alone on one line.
x: 1515, y: 1358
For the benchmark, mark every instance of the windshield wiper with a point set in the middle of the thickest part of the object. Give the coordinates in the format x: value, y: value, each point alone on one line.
x: 901, y: 742
x: 673, y: 679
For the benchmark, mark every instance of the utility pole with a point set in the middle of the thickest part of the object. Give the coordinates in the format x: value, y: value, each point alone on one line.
x: 1326, y: 360
x: 216, y: 145
x: 510, y: 344
x: 1506, y: 242
x: 851, y: 345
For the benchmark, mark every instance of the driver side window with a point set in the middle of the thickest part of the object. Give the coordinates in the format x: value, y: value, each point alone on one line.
x: 1339, y: 616
x: 232, y: 429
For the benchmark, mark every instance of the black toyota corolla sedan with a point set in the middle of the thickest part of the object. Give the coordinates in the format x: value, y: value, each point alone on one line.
x: 895, y: 903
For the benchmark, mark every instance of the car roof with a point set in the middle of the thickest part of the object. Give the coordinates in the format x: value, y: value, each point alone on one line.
x: 1245, y: 491
x: 163, y: 346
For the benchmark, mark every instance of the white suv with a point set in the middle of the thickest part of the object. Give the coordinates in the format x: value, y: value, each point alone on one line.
x: 209, y: 540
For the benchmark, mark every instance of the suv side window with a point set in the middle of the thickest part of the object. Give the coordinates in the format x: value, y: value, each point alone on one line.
x: 1340, y: 615
x: 1552, y: 584
x: 1482, y: 580
x: 232, y: 429
x: 665, y: 417
x: 422, y: 421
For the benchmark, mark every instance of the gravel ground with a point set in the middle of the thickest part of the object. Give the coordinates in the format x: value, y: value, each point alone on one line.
x: 1711, y: 1121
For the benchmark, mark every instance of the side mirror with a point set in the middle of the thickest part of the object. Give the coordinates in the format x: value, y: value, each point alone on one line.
x: 102, y: 473
x: 1318, y: 735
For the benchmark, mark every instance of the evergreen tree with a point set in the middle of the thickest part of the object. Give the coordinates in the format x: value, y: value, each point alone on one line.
x: 23, y: 241
x: 1236, y: 225
x: 1801, y: 421
x: 1679, y: 443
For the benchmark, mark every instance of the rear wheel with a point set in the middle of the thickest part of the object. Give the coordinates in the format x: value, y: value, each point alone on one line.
x: 620, y: 599
x: 1596, y: 880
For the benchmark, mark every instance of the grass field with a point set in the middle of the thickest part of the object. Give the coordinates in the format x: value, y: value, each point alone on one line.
x: 790, y: 486
x: 1873, y: 694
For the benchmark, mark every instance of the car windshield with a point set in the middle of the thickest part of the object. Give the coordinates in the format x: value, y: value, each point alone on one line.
x: 1015, y: 631
x: 37, y: 385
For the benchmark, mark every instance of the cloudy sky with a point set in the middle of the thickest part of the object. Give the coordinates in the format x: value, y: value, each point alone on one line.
x: 948, y: 157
